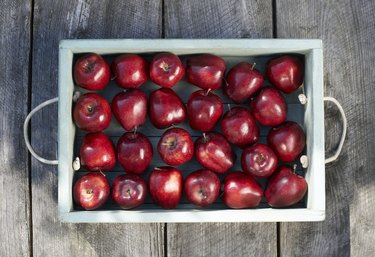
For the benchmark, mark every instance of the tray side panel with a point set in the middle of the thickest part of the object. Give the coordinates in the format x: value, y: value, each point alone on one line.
x: 233, y: 47
x: 66, y: 132
x: 314, y: 122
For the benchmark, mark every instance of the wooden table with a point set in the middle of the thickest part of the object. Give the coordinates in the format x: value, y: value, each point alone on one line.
x: 30, y: 32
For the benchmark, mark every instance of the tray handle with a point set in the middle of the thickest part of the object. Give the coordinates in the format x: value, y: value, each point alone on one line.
x: 344, y: 128
x: 56, y: 99
x: 25, y: 132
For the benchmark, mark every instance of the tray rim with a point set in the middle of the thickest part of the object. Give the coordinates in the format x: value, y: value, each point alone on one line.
x: 312, y: 48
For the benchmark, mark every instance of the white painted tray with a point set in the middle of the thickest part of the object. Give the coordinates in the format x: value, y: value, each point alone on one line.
x: 310, y: 116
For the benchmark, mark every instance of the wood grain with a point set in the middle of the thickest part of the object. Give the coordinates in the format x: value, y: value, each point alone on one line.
x: 53, y: 21
x: 14, y: 170
x: 222, y: 239
x: 219, y: 19
x: 347, y: 30
x: 361, y: 145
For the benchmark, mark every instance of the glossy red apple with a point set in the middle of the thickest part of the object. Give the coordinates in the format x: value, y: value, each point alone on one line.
x: 97, y: 152
x: 205, y: 71
x: 241, y: 191
x: 166, y: 108
x: 130, y: 108
x: 134, y: 152
x: 204, y: 110
x: 92, y: 72
x: 91, y: 191
x: 214, y: 152
x: 239, y: 127
x: 129, y: 191
x: 259, y: 160
x: 165, y: 186
x: 285, y: 188
x: 130, y: 70
x: 286, y: 73
x: 92, y: 113
x: 176, y: 146
x: 202, y: 187
x: 242, y: 82
x: 166, y: 69
x: 287, y: 140
x: 269, y: 107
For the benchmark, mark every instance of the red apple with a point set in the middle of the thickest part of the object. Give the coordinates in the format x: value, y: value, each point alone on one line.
x: 269, y: 107
x: 241, y: 191
x: 165, y: 186
x: 91, y: 191
x: 259, y: 160
x: 176, y: 146
x: 97, y: 152
x: 166, y: 69
x: 214, y: 152
x: 287, y: 140
x: 130, y: 70
x: 204, y: 110
x: 285, y: 188
x: 205, y: 71
x: 202, y: 187
x: 134, y: 152
x: 91, y: 72
x: 286, y: 73
x: 129, y: 191
x: 130, y: 108
x: 239, y: 127
x: 166, y: 108
x: 242, y: 82
x: 92, y: 113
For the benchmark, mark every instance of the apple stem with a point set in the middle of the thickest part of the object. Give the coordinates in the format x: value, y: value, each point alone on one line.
x: 128, y: 192
x: 229, y: 108
x: 135, y: 130
x: 89, y: 66
x: 226, y: 82
x: 252, y: 67
x: 101, y: 172
x: 165, y: 66
x: 204, y: 137
x: 294, y: 168
x: 202, y: 193
x: 261, y: 159
x: 208, y: 91
x: 157, y: 168
x: 113, y: 77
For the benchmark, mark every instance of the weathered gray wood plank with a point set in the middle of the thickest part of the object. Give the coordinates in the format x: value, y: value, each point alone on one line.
x: 14, y: 171
x: 222, y: 239
x: 219, y: 19
x: 347, y: 29
x: 56, y: 20
x: 361, y: 145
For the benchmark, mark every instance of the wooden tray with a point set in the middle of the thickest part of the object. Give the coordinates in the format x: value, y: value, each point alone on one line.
x: 310, y: 116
